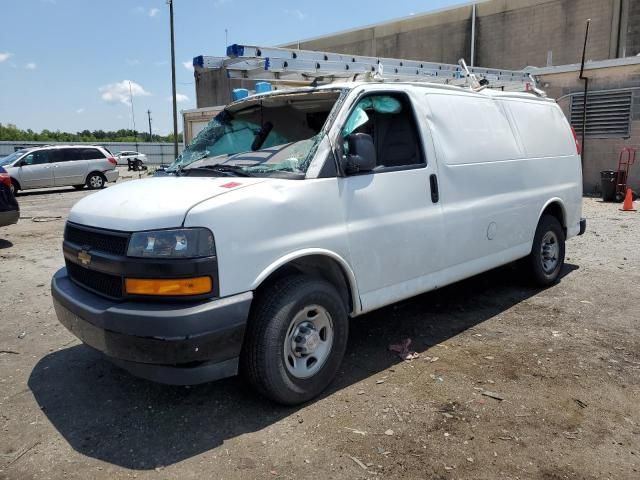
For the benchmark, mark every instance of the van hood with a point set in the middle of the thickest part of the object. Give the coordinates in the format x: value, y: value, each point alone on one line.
x: 161, y: 202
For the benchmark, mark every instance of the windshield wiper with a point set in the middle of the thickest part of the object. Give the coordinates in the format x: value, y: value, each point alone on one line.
x: 230, y: 170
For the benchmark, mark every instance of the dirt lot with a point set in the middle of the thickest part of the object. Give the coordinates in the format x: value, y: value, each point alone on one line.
x: 565, y: 361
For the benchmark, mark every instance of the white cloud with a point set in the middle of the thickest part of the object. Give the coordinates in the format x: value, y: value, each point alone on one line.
x: 80, y: 110
x: 5, y: 56
x: 296, y: 13
x: 180, y: 98
x: 119, y: 92
x: 30, y: 66
x: 188, y: 65
x: 153, y: 12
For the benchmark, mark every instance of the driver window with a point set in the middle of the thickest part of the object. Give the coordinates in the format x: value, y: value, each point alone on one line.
x: 390, y: 122
x: 36, y: 158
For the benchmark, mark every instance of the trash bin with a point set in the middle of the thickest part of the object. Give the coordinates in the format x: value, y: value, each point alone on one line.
x: 608, y: 185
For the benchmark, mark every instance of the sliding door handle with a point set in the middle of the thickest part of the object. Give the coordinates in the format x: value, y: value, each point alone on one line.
x: 435, y: 194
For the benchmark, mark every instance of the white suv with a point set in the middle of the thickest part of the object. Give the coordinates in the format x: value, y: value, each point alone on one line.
x: 60, y: 166
x: 295, y: 210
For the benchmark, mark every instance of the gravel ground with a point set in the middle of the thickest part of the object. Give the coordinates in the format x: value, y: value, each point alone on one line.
x: 511, y: 382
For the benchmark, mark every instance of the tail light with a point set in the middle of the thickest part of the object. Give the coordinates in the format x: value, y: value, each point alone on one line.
x: 5, y: 179
x: 113, y: 161
x: 575, y: 139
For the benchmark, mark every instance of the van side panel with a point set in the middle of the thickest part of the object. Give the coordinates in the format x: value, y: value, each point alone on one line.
x: 493, y: 190
x: 546, y: 134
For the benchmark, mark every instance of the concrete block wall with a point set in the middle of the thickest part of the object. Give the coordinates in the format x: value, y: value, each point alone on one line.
x: 510, y: 34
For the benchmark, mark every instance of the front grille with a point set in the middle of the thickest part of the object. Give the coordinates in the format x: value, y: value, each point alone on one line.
x: 103, y: 283
x: 97, y: 240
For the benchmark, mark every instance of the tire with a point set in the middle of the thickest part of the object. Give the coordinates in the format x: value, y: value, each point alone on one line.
x: 95, y: 181
x: 546, y: 259
x: 79, y: 187
x: 15, y: 188
x: 279, y: 324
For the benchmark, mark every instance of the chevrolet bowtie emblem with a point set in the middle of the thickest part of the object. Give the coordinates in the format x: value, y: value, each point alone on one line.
x: 84, y: 257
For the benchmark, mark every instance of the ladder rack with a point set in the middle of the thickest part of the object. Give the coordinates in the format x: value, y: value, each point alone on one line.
x: 295, y: 66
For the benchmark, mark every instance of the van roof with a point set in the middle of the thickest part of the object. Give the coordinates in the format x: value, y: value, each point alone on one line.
x: 422, y: 85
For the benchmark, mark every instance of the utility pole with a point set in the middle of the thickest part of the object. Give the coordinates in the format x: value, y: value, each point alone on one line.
x: 133, y: 115
x: 150, y: 134
x: 173, y: 83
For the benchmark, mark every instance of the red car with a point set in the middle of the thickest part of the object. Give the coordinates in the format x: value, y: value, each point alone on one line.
x: 9, y: 209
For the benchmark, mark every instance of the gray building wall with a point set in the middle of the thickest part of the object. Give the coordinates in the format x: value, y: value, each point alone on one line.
x: 510, y: 34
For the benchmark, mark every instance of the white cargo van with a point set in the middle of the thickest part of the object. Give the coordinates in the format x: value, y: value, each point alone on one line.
x: 296, y: 210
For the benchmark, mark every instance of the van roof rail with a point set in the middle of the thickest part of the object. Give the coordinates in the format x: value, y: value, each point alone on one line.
x: 309, y: 67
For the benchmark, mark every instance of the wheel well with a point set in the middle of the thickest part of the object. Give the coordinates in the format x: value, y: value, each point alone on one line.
x: 16, y: 184
x: 555, y: 210
x: 97, y: 172
x: 318, y: 266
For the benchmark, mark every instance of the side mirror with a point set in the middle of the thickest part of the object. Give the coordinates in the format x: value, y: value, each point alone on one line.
x: 362, y: 153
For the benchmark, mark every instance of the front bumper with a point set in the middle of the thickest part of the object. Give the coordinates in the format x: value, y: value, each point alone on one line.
x: 9, y: 217
x: 177, y: 343
x: 112, y: 175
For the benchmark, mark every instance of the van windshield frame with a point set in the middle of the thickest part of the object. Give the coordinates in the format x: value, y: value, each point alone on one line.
x: 265, y: 135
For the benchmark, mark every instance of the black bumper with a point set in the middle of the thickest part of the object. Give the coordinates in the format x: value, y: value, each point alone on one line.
x: 9, y: 217
x: 583, y: 226
x: 176, y: 343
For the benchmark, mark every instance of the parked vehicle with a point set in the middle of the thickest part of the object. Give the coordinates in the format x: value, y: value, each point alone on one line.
x: 60, y: 166
x: 134, y: 160
x: 295, y: 210
x: 9, y: 209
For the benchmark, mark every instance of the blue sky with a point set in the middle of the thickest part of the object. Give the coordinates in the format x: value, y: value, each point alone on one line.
x: 66, y: 64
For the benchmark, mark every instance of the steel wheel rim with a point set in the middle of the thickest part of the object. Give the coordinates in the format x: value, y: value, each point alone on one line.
x: 308, y: 342
x: 95, y: 181
x: 549, y: 252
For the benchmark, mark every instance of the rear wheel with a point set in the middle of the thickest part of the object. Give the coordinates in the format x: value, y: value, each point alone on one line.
x: 15, y: 188
x: 95, y: 181
x: 295, y: 340
x: 546, y: 259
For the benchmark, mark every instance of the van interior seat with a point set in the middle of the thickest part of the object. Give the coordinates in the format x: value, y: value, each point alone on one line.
x: 396, y: 140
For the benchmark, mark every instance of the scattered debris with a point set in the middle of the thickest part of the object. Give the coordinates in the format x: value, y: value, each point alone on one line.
x: 447, y: 415
x: 488, y: 357
x: 571, y: 435
x: 45, y: 219
x: 469, y: 459
x: 361, y: 392
x: 22, y: 335
x: 496, y: 396
x: 358, y: 462
x: 580, y: 403
x: 379, y: 382
x: 12, y: 352
x: 389, y: 432
x: 435, y: 359
x: 402, y: 349
x: 353, y: 430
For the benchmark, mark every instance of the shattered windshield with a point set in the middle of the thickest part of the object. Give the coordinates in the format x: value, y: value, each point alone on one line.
x: 262, y: 136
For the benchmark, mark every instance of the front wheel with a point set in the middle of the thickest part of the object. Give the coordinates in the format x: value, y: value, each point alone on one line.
x: 95, y: 181
x: 546, y: 259
x: 295, y: 339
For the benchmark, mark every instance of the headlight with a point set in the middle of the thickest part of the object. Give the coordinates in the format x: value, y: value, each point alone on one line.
x: 180, y: 243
